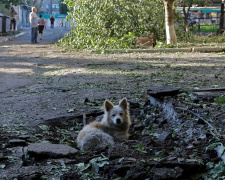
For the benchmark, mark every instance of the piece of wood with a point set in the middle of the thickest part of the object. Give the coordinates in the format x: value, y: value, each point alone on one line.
x: 209, y: 89
x: 145, y: 42
x: 208, y: 94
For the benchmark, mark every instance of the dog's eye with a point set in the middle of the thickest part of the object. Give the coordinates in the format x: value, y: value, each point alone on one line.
x: 113, y: 115
x: 121, y: 114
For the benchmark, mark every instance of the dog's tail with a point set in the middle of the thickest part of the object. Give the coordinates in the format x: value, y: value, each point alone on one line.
x: 84, y: 120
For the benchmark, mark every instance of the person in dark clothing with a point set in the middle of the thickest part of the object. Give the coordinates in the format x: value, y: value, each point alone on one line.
x: 52, y: 19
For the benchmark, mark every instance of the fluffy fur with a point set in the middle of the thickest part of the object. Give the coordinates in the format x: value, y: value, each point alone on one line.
x: 113, y: 127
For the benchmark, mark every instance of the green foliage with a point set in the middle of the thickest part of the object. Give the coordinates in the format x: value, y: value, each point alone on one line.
x: 217, y: 171
x: 140, y: 147
x: 113, y: 23
x: 196, y: 2
x: 11, y: 2
x: 35, y: 3
x: 94, y: 164
x: 220, y: 100
x: 214, y: 145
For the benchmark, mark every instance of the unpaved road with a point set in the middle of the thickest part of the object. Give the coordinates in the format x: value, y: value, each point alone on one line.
x: 39, y: 81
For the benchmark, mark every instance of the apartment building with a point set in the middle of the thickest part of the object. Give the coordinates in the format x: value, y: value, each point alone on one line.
x: 50, y: 7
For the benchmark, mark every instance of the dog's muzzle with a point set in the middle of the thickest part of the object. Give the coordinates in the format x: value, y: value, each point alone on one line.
x: 118, y: 121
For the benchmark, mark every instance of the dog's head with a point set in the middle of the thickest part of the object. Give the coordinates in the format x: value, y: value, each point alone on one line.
x: 117, y: 115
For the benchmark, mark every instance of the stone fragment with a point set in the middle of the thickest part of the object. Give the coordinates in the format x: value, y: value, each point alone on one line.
x: 139, y: 126
x: 16, y: 142
x: 165, y: 136
x: 190, y: 146
x: 136, y: 174
x: 147, y: 140
x: 133, y: 104
x: 196, y: 143
x: 22, y: 173
x: 24, y: 137
x: 31, y: 139
x: 222, y: 156
x: 159, y: 91
x: 3, y: 157
x: 165, y: 173
x: 161, y: 122
x: 120, y: 170
x: 45, y: 150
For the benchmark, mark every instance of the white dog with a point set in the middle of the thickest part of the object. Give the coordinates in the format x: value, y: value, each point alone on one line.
x: 113, y: 127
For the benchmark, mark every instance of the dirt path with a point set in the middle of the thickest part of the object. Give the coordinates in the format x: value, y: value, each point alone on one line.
x: 39, y: 82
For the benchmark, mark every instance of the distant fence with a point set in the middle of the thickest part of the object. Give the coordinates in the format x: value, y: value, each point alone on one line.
x: 203, y: 25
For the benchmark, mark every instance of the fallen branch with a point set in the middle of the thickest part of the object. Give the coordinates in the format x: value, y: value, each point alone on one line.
x: 209, y: 89
x: 206, y: 122
x: 218, y: 115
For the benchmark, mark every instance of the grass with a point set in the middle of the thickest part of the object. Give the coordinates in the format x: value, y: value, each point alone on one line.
x: 204, y: 29
x: 12, y: 34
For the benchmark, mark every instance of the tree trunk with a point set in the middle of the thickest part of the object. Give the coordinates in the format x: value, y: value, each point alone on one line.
x: 186, y: 14
x: 221, y: 18
x: 169, y: 20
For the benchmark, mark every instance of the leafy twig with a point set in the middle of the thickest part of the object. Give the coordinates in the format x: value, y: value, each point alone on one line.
x: 199, y: 118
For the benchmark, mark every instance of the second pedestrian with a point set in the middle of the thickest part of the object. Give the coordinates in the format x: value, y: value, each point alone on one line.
x: 41, y: 25
x: 52, y: 19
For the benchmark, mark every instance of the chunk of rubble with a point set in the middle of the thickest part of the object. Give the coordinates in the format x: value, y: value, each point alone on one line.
x: 16, y: 142
x: 159, y: 91
x: 220, y: 152
x: 165, y: 136
x: 165, y: 173
x: 23, y: 173
x: 136, y: 174
x: 46, y: 150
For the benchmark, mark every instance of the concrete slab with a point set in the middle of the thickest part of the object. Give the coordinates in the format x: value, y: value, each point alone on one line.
x: 207, y: 49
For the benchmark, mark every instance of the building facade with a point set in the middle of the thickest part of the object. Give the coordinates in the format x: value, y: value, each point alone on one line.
x: 50, y: 7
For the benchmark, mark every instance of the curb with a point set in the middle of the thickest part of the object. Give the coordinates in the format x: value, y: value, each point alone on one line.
x: 13, y: 37
x: 167, y: 50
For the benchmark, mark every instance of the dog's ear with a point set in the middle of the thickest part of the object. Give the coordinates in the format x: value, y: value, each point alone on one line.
x: 108, y: 105
x: 124, y: 104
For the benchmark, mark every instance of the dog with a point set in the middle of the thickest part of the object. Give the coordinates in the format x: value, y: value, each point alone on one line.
x: 113, y: 127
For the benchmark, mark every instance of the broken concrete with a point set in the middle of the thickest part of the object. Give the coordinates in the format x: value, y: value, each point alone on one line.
x: 45, y: 150
x: 159, y: 91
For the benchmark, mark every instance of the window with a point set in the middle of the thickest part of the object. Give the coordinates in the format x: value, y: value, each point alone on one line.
x: 55, y: 6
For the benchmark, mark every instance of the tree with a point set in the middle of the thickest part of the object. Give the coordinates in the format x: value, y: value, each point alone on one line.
x: 35, y: 3
x: 8, y: 3
x: 62, y: 7
x: 169, y: 21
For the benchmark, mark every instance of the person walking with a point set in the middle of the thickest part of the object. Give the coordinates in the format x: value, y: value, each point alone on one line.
x: 41, y: 25
x: 13, y: 13
x: 34, y: 23
x: 61, y: 23
x: 52, y: 19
